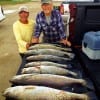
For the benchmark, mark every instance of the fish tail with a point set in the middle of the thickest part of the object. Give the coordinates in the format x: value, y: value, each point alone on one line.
x: 73, y: 73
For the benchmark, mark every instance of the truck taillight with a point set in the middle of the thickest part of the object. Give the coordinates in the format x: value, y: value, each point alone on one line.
x: 62, y: 9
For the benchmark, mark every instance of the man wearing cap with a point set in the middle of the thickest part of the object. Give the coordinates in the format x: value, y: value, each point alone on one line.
x: 49, y: 22
x: 23, y: 29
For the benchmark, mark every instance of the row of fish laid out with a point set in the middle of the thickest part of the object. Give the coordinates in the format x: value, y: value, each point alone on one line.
x: 44, y: 58
x: 45, y: 82
x: 45, y: 75
x: 49, y: 52
x: 31, y: 92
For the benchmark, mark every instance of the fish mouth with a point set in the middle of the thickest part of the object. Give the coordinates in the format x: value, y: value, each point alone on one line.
x: 11, y: 80
x: 6, y: 92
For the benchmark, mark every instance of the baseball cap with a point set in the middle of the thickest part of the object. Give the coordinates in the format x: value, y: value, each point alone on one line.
x: 46, y: 1
x: 23, y: 8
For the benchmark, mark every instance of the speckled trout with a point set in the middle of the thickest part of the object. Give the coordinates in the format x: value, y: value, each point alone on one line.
x: 49, y: 46
x: 56, y: 81
x: 48, y: 70
x: 41, y: 93
x: 47, y: 58
x: 46, y: 63
x: 50, y: 52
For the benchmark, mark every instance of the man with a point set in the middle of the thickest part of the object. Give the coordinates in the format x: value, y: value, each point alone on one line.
x: 49, y: 22
x: 23, y: 29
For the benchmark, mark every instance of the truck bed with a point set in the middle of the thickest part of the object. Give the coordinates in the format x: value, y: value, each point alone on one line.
x: 78, y: 65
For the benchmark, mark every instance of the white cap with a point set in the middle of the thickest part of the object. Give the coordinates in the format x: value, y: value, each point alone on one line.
x: 23, y: 8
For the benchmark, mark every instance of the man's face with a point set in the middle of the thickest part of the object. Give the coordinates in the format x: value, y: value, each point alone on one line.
x: 23, y: 15
x: 47, y: 8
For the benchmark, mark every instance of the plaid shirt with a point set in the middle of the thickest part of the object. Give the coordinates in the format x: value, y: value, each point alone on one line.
x: 54, y: 31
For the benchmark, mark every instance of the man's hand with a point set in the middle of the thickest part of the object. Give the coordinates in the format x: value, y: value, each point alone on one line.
x: 27, y: 45
x: 35, y: 40
x: 65, y: 42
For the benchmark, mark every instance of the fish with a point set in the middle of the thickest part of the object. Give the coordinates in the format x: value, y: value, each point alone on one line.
x: 47, y: 58
x: 54, y: 81
x: 49, y: 46
x: 32, y: 92
x: 48, y: 70
x: 50, y: 52
x: 46, y: 63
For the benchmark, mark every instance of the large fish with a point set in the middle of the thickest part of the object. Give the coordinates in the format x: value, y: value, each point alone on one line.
x: 50, y: 52
x: 41, y: 93
x: 46, y: 63
x: 55, y: 81
x: 48, y: 70
x: 48, y: 46
x: 47, y: 58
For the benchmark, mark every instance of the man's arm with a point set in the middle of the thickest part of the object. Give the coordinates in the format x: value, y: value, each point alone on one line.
x: 37, y: 32
x: 19, y: 40
x: 62, y: 31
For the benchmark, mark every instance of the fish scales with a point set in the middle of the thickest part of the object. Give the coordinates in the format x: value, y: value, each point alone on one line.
x: 49, y: 46
x: 51, y: 52
x: 41, y: 93
x: 46, y: 63
x: 48, y: 70
x: 55, y: 81
x: 47, y: 58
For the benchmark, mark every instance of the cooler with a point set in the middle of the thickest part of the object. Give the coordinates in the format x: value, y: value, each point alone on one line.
x: 91, y: 45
